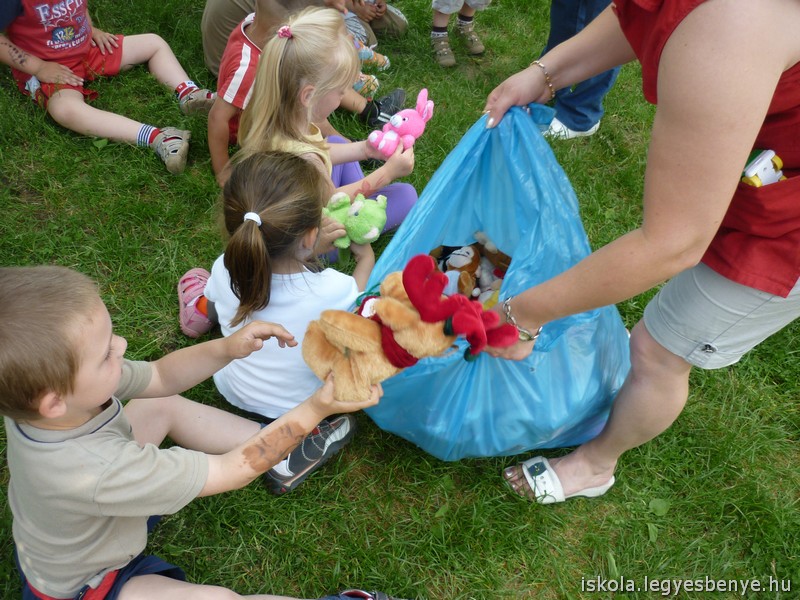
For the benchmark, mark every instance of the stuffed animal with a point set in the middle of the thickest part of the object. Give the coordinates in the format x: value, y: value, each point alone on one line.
x: 363, y: 218
x: 462, y: 267
x: 499, y: 260
x: 410, y: 320
x: 404, y: 127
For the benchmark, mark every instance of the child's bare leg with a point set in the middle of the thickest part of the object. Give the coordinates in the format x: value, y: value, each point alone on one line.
x: 353, y: 102
x: 190, y: 424
x: 467, y: 11
x: 157, y: 587
x: 151, y: 49
x: 68, y: 109
x: 440, y: 19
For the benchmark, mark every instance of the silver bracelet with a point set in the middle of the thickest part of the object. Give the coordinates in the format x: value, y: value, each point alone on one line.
x: 525, y: 335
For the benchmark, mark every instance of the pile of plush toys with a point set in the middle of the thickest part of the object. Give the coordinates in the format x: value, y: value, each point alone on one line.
x: 475, y: 271
x: 408, y: 320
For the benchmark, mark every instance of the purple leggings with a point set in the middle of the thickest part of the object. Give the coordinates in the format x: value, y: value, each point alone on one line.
x: 400, y: 197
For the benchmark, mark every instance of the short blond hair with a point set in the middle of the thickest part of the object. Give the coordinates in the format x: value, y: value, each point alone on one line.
x: 41, y: 310
x: 318, y: 52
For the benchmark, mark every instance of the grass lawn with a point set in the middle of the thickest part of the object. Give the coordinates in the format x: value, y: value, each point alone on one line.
x: 714, y: 497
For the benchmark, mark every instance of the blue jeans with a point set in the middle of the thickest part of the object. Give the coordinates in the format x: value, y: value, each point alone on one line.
x: 581, y: 106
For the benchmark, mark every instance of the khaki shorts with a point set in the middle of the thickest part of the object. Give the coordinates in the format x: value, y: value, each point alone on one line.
x: 711, y: 321
x: 448, y: 7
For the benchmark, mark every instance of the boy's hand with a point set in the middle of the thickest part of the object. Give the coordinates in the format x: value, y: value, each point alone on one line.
x: 105, y: 41
x: 401, y: 162
x: 324, y: 404
x: 251, y: 338
x: 52, y: 72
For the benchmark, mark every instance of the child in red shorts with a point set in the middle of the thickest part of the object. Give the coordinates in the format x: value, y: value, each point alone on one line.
x: 53, y: 49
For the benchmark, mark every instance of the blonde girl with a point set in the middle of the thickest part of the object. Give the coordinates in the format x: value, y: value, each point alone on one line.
x: 272, y: 207
x: 304, y: 71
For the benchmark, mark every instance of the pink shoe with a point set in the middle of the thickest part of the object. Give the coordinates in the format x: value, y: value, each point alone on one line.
x: 190, y: 289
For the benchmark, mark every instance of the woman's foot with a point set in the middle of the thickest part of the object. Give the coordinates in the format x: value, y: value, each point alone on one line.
x: 559, y: 479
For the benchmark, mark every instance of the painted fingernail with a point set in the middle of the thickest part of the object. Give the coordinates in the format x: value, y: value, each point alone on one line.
x: 490, y: 123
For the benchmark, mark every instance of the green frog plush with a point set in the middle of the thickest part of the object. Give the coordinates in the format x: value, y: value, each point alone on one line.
x: 363, y: 218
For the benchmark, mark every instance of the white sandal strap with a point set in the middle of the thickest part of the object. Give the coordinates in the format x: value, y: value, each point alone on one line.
x: 543, y: 480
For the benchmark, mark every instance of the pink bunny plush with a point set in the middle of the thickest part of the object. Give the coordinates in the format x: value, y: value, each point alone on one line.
x: 404, y: 127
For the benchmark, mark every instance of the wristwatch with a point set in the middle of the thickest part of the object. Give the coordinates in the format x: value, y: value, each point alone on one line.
x: 525, y: 335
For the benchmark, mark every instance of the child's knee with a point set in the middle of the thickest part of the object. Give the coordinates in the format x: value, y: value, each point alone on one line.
x: 65, y: 109
x: 144, y: 46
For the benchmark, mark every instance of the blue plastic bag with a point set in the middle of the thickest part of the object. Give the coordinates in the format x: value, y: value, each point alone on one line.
x: 506, y: 182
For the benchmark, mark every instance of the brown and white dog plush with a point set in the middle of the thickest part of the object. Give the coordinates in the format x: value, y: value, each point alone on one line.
x: 462, y: 268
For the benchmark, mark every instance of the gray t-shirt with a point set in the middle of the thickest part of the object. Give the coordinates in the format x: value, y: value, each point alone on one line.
x: 81, y: 498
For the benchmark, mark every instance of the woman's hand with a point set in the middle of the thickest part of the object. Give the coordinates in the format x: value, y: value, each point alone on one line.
x: 519, y: 351
x: 518, y: 90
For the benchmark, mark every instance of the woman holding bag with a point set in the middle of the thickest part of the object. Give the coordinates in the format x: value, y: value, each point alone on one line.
x: 726, y: 81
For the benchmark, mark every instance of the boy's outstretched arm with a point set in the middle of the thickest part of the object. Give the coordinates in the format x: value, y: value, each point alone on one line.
x: 185, y: 368
x: 46, y: 72
x: 237, y: 468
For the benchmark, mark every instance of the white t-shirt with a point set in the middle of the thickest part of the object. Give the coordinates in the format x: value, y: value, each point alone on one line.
x: 274, y: 380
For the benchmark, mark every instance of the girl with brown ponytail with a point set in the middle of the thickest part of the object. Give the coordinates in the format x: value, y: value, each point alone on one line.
x: 272, y: 209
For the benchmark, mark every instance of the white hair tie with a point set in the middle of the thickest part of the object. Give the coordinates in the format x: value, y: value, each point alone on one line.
x: 251, y: 216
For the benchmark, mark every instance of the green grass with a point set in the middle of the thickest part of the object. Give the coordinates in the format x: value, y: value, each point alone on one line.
x: 715, y: 496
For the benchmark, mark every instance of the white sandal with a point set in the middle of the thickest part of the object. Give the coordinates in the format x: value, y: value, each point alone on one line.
x: 546, y: 487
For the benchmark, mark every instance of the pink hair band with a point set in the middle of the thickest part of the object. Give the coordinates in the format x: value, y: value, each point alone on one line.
x: 285, y: 32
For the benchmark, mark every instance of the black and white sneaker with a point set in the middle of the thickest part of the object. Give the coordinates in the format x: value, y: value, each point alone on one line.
x: 324, y: 441
x: 385, y: 107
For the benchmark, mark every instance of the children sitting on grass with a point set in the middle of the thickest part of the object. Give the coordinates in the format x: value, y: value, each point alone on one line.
x: 53, y: 50
x: 87, y: 473
x: 237, y: 70
x: 306, y: 67
x: 272, y: 208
